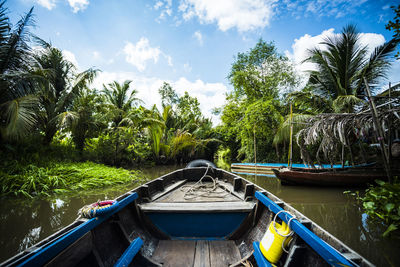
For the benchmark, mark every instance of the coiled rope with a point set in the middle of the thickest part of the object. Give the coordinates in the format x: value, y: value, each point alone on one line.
x: 205, y: 189
x: 98, y: 209
x: 291, y: 231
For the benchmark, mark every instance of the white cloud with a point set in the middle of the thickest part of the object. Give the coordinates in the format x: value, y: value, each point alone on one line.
x: 137, y: 54
x: 187, y: 67
x: 49, y: 4
x: 158, y: 5
x: 165, y: 7
x: 199, y: 37
x: 169, y: 60
x: 96, y: 55
x: 210, y: 95
x: 78, y: 5
x: 333, y: 8
x: 301, y: 45
x: 68, y: 55
x: 244, y: 15
x: 141, y: 52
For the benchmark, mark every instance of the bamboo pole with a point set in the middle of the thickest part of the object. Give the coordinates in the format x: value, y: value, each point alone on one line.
x: 255, y: 151
x: 291, y: 138
x: 378, y: 129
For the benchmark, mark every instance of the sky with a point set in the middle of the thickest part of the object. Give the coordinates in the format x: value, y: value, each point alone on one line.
x: 192, y: 44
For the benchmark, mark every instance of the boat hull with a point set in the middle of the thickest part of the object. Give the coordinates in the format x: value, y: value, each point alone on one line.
x: 328, y: 178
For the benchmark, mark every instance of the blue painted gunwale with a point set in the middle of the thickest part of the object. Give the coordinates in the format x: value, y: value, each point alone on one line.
x: 260, y: 259
x: 327, y: 252
x: 43, y: 255
x: 129, y: 253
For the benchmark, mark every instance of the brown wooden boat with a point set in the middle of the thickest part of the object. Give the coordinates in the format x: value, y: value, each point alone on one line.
x: 335, y: 177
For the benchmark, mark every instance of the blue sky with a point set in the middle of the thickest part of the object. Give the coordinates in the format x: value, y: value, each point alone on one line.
x: 192, y: 43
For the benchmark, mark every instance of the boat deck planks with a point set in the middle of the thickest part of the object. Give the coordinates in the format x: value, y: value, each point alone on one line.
x: 201, y: 253
x: 223, y: 253
x: 202, y: 256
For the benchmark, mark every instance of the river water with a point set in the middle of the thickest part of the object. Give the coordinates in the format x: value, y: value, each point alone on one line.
x: 25, y: 222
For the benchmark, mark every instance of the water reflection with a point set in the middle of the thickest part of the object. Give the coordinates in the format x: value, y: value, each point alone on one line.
x: 25, y: 222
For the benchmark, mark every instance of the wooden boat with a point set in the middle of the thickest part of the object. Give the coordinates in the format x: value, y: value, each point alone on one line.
x: 324, y: 177
x: 169, y: 221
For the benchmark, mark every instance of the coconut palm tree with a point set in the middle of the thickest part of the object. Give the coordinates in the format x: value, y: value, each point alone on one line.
x: 337, y: 84
x: 90, y: 110
x: 119, y: 101
x: 58, y: 87
x: 341, y: 66
x: 17, y: 103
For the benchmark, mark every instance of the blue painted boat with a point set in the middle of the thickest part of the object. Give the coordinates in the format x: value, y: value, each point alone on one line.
x: 200, y: 216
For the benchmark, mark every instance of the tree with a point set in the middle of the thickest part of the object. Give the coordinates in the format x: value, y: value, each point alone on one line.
x: 123, y: 115
x: 58, y: 87
x: 395, y: 26
x: 17, y: 102
x: 119, y: 101
x: 168, y: 95
x: 253, y: 110
x: 261, y: 72
x: 90, y: 119
x: 341, y: 66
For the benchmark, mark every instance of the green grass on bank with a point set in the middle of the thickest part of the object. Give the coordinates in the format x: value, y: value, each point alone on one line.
x: 61, y: 177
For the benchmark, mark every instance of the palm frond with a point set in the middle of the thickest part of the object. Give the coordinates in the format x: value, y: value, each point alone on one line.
x: 19, y: 116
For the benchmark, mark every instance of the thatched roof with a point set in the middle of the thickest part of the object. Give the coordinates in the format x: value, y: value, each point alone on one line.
x: 331, y: 131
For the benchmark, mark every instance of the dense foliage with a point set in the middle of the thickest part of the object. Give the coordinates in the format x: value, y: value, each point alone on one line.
x: 394, y: 25
x: 382, y: 203
x: 48, y: 108
x: 254, y: 109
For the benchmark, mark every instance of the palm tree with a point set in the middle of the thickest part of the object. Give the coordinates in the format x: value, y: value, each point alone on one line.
x: 58, y: 87
x: 119, y: 101
x: 89, y: 108
x: 342, y: 65
x: 121, y: 112
x: 17, y: 103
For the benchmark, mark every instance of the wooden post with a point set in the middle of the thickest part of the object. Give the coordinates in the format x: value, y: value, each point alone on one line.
x: 378, y: 129
x: 342, y: 155
x: 390, y: 130
x: 255, y: 151
x: 291, y: 138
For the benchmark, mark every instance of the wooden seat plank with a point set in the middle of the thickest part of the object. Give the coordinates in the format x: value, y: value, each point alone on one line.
x: 198, y: 207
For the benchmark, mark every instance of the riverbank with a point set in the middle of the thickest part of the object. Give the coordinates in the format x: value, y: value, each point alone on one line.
x: 60, y: 177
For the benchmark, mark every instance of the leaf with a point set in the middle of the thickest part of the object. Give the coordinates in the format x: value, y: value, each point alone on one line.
x: 391, y: 228
x: 380, y: 182
x: 388, y: 207
x: 369, y: 205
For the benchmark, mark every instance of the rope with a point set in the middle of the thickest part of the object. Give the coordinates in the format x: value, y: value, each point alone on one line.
x: 200, y: 189
x: 291, y: 231
x: 98, y: 208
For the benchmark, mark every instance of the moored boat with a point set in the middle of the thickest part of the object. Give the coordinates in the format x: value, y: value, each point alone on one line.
x: 324, y: 177
x: 200, y: 216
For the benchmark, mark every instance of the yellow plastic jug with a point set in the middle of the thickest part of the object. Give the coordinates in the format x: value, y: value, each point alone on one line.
x: 272, y: 243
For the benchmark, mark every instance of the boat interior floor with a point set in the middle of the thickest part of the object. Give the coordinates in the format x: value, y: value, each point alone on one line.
x: 201, y: 193
x: 196, y: 253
